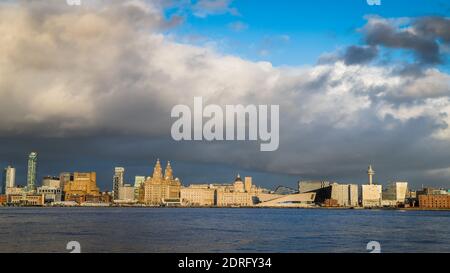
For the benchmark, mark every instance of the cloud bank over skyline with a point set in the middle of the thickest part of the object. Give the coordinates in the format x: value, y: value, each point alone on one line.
x: 95, y: 85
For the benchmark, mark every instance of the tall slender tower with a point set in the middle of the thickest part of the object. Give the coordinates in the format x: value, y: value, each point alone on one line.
x: 117, y: 181
x: 31, y: 175
x: 10, y: 177
x: 371, y: 173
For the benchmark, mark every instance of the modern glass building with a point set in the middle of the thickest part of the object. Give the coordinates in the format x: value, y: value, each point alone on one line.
x: 117, y: 181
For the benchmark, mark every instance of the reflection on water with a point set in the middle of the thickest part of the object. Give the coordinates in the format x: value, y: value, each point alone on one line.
x: 222, y: 230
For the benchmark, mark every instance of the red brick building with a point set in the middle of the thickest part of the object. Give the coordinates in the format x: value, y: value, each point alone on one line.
x: 437, y: 201
x: 3, y: 199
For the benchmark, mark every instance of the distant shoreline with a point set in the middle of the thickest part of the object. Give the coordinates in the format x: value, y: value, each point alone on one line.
x: 215, y: 207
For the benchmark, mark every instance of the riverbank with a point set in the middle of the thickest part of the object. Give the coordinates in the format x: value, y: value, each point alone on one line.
x: 248, y: 207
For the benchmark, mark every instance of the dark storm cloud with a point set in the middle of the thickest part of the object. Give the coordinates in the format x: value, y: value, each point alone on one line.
x: 422, y: 36
x: 360, y: 54
x: 89, y: 89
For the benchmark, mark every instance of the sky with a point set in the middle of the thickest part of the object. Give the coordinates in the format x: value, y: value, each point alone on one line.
x: 91, y: 87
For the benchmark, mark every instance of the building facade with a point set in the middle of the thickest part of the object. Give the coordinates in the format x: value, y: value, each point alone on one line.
x: 83, y: 186
x: 26, y: 199
x: 371, y: 195
x: 51, y: 194
x: 15, y: 191
x: 126, y: 193
x: 8, y: 178
x: 139, y: 181
x: 434, y: 201
x: 346, y: 195
x: 198, y: 195
x: 118, y: 181
x: 161, y: 188
x: 395, y: 193
x: 52, y: 181
x: 236, y: 195
x: 312, y: 186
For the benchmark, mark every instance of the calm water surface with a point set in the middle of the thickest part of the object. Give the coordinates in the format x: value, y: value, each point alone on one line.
x: 222, y: 230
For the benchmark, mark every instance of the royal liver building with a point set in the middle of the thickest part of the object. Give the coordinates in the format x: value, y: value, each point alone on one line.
x: 162, y: 189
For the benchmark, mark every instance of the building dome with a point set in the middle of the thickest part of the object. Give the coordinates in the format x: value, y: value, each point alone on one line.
x: 238, y: 178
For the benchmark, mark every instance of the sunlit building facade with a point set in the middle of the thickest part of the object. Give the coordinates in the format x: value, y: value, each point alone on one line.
x: 83, y: 186
x: 161, y: 188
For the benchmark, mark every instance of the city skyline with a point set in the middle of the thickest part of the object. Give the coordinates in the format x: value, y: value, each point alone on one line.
x: 356, y: 85
x: 121, y: 177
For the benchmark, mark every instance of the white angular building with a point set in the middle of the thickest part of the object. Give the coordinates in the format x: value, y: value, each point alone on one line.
x: 371, y: 194
x: 395, y: 193
x: 346, y: 195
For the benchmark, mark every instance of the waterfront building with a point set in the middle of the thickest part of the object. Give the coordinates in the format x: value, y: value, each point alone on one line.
x: 198, y: 195
x: 234, y: 195
x: 139, y: 181
x: 15, y: 191
x: 248, y: 184
x: 31, y: 173
x: 118, y: 181
x: 81, y: 187
x: 238, y: 184
x: 312, y: 186
x: 297, y: 200
x: 346, y: 195
x: 51, y: 193
x: 9, y: 179
x: 434, y: 201
x: 126, y: 193
x: 342, y: 195
x: 371, y: 193
x: 106, y: 197
x: 162, y: 188
x: 3, y: 199
x: 26, y: 199
x: 395, y: 194
x: 232, y: 199
x: 51, y: 182
x: 65, y: 178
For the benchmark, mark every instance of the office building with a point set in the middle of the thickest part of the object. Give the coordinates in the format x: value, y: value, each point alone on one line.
x: 371, y: 193
x: 126, y: 193
x: 26, y: 199
x: 434, y: 201
x: 161, y: 188
x: 52, y: 181
x: 31, y: 173
x: 118, y: 181
x: 346, y: 195
x: 8, y: 179
x: 81, y: 187
x: 51, y: 193
x: 394, y: 194
x: 234, y: 195
x: 198, y: 195
x: 139, y: 182
x: 15, y: 191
